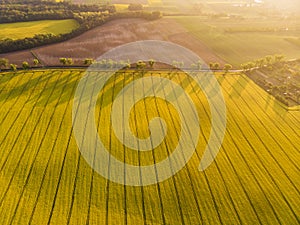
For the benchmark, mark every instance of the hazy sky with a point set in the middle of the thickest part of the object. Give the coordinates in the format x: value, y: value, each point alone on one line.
x: 286, y: 4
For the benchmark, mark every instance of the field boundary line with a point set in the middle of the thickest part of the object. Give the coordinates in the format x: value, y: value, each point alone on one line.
x: 154, y: 161
x: 93, y: 171
x: 139, y: 153
x: 108, y: 180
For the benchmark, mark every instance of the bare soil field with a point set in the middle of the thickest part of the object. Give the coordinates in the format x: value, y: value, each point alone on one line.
x: 95, y: 42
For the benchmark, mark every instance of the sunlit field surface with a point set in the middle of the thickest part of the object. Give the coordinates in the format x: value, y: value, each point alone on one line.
x: 22, y: 30
x: 255, y: 178
x: 240, y: 40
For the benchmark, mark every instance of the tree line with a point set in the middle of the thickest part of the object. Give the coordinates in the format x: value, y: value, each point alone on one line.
x: 4, y: 63
x: 86, y: 22
x: 32, y: 10
x: 268, y: 61
x: 110, y: 64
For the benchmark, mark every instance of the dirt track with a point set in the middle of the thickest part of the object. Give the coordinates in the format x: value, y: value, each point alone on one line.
x: 95, y: 42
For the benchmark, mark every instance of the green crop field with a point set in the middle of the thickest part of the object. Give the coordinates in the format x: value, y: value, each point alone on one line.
x: 121, y: 7
x: 29, y: 29
x: 154, y: 2
x: 238, y: 41
x: 255, y: 178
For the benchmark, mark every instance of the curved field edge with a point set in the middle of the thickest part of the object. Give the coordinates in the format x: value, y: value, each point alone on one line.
x: 44, y: 179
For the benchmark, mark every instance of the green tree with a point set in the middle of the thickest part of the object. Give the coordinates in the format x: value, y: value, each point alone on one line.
x: 36, y: 62
x: 3, y: 63
x: 261, y: 62
x: 69, y: 61
x: 199, y: 65
x: 110, y: 63
x: 13, y: 67
x: 227, y: 67
x: 279, y: 58
x: 250, y: 65
x: 268, y: 59
x: 25, y: 65
x: 181, y: 64
x: 63, y: 61
x: 194, y: 66
x: 140, y: 65
x: 175, y: 63
x: 127, y: 65
x: 242, y: 66
x: 216, y: 66
x: 88, y: 61
x: 151, y: 63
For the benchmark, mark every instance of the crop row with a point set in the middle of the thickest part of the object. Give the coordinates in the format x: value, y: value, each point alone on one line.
x: 44, y: 179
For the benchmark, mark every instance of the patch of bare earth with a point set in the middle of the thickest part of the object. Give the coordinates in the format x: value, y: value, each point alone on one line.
x: 97, y: 41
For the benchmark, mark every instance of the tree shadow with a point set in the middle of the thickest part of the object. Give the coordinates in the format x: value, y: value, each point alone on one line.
x: 62, y: 88
x: 280, y: 108
x: 22, y: 89
x: 238, y: 87
x: 268, y: 102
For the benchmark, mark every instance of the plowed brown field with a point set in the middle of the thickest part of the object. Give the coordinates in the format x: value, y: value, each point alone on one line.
x: 112, y: 34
